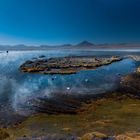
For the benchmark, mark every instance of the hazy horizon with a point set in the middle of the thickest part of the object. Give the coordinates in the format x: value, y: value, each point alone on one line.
x: 67, y: 44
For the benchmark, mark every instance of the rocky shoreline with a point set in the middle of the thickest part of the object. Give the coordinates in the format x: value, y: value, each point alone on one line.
x: 66, y: 65
x: 95, y: 117
x: 103, y: 117
x: 134, y: 57
x: 69, y: 104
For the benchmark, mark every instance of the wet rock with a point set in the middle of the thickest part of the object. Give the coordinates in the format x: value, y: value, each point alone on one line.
x: 134, y: 57
x: 57, y: 105
x: 131, y: 84
x: 29, y: 62
x: 42, y: 56
x: 96, y: 136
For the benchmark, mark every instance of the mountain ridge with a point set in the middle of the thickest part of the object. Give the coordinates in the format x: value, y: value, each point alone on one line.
x: 81, y: 45
x: 85, y: 44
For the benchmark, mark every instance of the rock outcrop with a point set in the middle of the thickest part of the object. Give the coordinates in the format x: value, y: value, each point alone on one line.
x: 134, y: 57
x: 66, y: 65
x: 131, y: 83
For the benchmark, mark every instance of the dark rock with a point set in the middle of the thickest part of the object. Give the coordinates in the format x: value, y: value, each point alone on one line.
x: 42, y: 56
x: 131, y: 84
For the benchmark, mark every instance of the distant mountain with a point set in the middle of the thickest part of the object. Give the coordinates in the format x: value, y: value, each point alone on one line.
x: 20, y: 46
x: 43, y: 46
x: 85, y: 44
x: 119, y: 46
x: 82, y: 45
x: 69, y: 45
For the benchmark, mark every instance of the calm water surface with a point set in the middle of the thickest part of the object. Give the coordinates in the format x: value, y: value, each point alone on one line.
x: 16, y: 87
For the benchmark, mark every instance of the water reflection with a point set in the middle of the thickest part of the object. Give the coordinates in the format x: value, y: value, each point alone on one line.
x: 17, y: 87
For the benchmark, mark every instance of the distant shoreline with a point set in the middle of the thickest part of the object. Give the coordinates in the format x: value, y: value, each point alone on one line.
x: 71, y: 49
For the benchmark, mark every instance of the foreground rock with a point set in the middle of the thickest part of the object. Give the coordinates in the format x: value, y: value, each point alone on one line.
x: 134, y: 57
x: 66, y: 65
x: 131, y: 83
x: 60, y: 104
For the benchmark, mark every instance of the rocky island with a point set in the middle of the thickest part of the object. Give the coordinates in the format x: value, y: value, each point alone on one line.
x: 66, y: 65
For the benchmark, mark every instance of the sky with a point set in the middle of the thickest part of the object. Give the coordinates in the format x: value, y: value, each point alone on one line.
x: 36, y: 22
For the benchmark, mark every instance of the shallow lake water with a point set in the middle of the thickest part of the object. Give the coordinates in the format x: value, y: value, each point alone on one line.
x: 17, y: 87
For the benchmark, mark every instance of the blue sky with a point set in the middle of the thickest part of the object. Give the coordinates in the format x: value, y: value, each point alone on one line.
x: 69, y: 21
